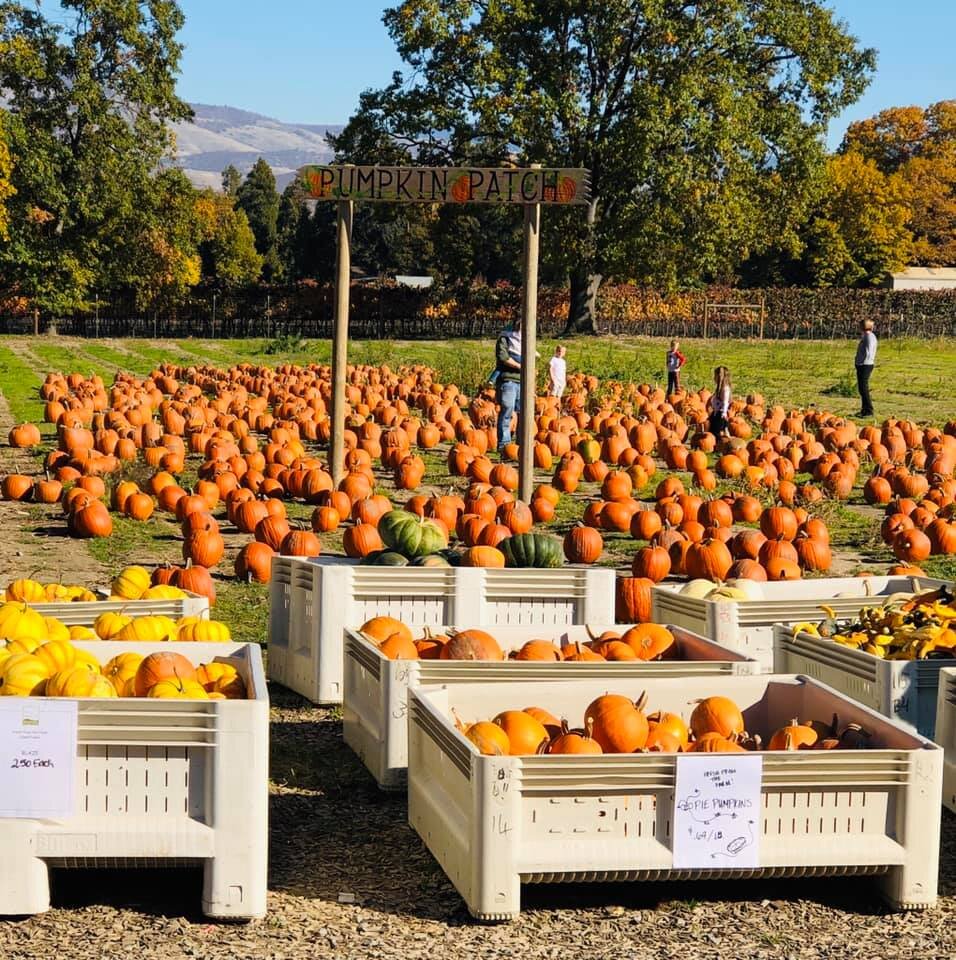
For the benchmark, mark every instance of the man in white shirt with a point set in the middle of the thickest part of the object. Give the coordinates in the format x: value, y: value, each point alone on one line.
x: 557, y: 373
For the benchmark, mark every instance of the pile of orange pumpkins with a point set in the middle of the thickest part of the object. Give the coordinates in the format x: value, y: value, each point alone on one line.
x: 616, y: 724
x: 255, y: 432
x: 394, y: 639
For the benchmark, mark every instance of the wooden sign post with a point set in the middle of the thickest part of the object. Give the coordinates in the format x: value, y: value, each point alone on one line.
x: 532, y: 187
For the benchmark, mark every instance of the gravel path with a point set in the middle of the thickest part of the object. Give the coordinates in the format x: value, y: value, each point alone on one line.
x: 333, y: 832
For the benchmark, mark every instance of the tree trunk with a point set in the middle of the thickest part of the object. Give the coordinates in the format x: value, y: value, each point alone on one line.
x: 585, y: 283
x: 582, y: 313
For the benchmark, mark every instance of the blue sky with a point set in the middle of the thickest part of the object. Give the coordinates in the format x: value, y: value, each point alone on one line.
x: 308, y: 60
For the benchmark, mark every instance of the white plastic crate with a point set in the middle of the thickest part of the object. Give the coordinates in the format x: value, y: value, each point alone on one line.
x: 946, y: 733
x: 747, y: 625
x: 905, y: 690
x: 375, y: 705
x: 160, y: 783
x: 84, y: 612
x: 321, y: 600
x: 494, y: 823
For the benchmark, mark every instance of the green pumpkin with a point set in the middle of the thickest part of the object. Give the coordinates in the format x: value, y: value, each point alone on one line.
x: 411, y: 535
x: 532, y: 550
x: 384, y: 558
x: 432, y: 560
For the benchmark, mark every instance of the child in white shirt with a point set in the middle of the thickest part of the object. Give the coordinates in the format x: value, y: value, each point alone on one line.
x: 557, y: 373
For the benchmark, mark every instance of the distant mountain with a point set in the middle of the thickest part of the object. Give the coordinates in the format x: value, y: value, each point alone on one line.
x: 219, y: 136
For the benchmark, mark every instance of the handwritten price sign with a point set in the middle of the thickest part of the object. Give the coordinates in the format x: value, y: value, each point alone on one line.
x: 717, y: 812
x: 37, y: 758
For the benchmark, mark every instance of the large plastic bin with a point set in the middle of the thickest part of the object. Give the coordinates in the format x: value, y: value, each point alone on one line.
x: 905, y: 690
x: 160, y: 783
x: 324, y: 599
x: 84, y: 612
x: 494, y: 823
x: 375, y: 705
x: 946, y: 733
x: 747, y: 625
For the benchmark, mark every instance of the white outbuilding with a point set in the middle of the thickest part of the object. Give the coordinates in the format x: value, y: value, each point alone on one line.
x: 924, y: 278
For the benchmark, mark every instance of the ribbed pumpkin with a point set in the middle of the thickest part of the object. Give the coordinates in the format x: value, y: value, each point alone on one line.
x: 254, y: 562
x: 633, y: 600
x: 131, y: 583
x: 472, y: 645
x: 532, y: 550
x: 410, y: 535
x: 23, y: 675
x: 654, y: 563
x: 708, y: 560
x: 159, y: 667
x: 616, y: 723
x: 583, y: 544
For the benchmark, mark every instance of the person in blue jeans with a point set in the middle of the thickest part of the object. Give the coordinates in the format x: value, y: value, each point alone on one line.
x: 508, y: 380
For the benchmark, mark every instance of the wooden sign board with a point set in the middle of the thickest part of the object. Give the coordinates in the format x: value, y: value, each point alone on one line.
x: 552, y: 186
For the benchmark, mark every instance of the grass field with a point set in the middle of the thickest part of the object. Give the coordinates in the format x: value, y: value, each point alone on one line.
x: 912, y: 380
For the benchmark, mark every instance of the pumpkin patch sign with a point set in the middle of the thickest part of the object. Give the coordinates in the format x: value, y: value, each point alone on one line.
x: 447, y: 184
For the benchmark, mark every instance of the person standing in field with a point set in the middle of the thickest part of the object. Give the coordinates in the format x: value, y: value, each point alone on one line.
x: 557, y: 373
x: 508, y: 380
x: 675, y: 360
x: 720, y: 402
x: 865, y: 361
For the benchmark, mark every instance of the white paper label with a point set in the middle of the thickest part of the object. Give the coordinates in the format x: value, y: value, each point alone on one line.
x: 37, y: 758
x: 717, y: 811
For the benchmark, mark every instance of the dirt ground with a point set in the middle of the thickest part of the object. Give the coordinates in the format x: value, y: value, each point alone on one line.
x: 334, y: 833
x: 29, y: 540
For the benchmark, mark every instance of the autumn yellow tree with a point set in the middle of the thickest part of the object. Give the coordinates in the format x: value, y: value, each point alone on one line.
x: 6, y: 187
x: 858, y: 231
x: 919, y: 146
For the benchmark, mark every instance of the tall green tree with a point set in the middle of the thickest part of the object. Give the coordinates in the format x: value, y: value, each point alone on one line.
x: 306, y: 240
x: 258, y: 199
x: 698, y: 121
x: 231, y: 181
x: 89, y: 105
x: 160, y: 259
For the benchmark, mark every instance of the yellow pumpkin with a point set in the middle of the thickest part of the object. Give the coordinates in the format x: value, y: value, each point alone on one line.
x: 79, y: 682
x: 56, y: 629
x: 56, y: 592
x: 26, y: 645
x: 107, y: 625
x: 121, y: 669
x: 205, y: 631
x: 80, y: 594
x: 78, y: 632
x: 131, y: 583
x: 163, y: 591
x: 27, y: 591
x: 5, y: 654
x: 232, y: 688
x: 177, y: 689
x: 209, y: 674
x: 18, y: 621
x: 87, y: 659
x: 23, y: 675
x: 152, y: 629
x: 57, y: 655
